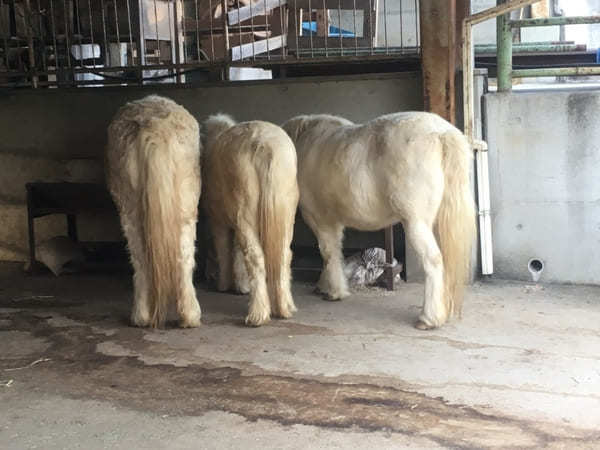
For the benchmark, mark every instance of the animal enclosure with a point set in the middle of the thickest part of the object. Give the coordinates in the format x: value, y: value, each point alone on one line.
x: 50, y: 43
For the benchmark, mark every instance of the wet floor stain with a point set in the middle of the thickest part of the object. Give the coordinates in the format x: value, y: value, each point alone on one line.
x: 75, y: 368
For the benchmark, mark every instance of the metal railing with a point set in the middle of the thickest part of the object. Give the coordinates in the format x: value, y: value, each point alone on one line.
x: 54, y: 43
x: 506, y: 72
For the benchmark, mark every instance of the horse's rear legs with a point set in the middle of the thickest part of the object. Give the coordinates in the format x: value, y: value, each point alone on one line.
x: 140, y: 312
x: 283, y: 305
x: 423, y: 241
x: 259, y: 310
x: 222, y: 240
x: 332, y: 282
x: 187, y: 303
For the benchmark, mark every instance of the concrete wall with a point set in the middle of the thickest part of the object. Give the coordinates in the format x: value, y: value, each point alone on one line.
x: 545, y: 183
x: 53, y: 135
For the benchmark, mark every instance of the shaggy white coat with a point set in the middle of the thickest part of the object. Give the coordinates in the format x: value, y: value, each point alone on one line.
x: 153, y: 174
x: 251, y: 197
x: 408, y: 167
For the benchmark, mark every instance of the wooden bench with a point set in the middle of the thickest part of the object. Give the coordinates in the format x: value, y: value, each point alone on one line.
x: 70, y: 199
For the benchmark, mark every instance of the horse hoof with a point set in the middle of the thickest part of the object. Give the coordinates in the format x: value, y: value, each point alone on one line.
x: 190, y: 322
x: 253, y: 320
x: 420, y: 325
x: 285, y: 314
x: 241, y: 291
x: 140, y: 321
x: 336, y: 296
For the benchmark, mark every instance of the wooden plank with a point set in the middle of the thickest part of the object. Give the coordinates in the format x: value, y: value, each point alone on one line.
x: 257, y: 9
x: 438, y: 37
x: 248, y: 50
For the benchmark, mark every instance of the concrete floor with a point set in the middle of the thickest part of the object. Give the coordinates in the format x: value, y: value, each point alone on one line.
x: 520, y: 370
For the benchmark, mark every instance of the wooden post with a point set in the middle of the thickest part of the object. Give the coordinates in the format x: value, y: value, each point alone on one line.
x: 438, y: 47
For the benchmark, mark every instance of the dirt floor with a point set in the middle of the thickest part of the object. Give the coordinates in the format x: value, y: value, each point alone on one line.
x: 521, y: 369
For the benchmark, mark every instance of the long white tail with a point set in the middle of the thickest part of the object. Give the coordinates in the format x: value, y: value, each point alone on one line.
x: 271, y: 228
x: 160, y: 202
x: 456, y: 219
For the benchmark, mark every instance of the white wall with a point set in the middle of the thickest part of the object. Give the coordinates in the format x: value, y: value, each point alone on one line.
x: 545, y: 183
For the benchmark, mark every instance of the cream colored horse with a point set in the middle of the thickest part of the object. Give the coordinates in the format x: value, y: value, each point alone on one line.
x: 250, y: 196
x: 153, y: 173
x: 407, y: 167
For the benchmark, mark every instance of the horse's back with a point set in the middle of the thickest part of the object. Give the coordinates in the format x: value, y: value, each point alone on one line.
x: 246, y: 154
x: 152, y: 118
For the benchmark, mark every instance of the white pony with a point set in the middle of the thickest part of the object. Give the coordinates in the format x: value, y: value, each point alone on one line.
x: 251, y: 196
x: 408, y: 167
x: 153, y: 174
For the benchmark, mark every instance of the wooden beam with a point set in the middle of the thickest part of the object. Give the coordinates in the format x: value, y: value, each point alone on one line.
x: 438, y: 46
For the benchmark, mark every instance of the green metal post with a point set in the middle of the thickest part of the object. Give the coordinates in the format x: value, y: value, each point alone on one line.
x: 504, y: 55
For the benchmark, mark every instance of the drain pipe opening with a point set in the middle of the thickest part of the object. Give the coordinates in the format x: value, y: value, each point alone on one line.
x: 535, y: 267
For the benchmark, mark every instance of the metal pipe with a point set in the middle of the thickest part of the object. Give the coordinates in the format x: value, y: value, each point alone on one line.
x: 371, y: 37
x: 117, y: 28
x: 183, y: 31
x: 240, y: 25
x: 267, y: 30
x: 156, y: 27
x: 385, y: 33
x: 527, y: 47
x: 42, y: 37
x: 92, y: 33
x: 178, y: 39
x: 504, y: 53
x: 79, y: 35
x: 549, y: 21
x: 53, y: 24
x: 355, y: 33
x: 106, y: 47
x: 557, y: 72
x: 324, y: 16
x: 252, y: 32
x: 283, y: 31
x: 130, y: 31
x: 67, y: 31
x: 401, y: 24
x: 141, y: 44
x: 30, y: 52
x: 340, y: 26
x: 225, y: 37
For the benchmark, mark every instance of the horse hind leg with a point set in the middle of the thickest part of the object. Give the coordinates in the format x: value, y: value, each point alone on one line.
x: 434, y: 313
x: 187, y: 303
x: 284, y: 305
x: 332, y: 282
x: 241, y: 282
x: 140, y: 312
x: 259, y: 311
x: 222, y: 241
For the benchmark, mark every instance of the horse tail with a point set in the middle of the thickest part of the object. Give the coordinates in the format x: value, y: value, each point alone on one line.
x: 161, y: 221
x: 456, y: 219
x: 271, y: 226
